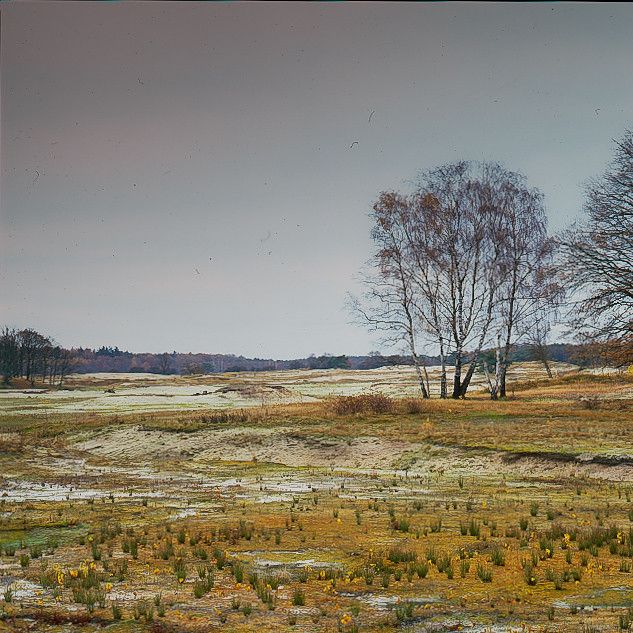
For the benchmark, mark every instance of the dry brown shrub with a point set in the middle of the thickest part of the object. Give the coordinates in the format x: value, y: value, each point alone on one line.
x: 414, y: 405
x: 363, y: 403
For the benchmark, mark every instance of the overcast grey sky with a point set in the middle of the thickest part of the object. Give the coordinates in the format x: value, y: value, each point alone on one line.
x: 197, y: 177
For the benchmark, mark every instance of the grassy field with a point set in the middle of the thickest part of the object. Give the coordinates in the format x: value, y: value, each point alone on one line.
x: 267, y: 502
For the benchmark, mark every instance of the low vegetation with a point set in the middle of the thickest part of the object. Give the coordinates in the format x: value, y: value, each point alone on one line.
x: 474, y: 511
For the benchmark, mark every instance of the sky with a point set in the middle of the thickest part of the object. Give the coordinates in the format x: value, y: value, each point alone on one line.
x: 198, y: 177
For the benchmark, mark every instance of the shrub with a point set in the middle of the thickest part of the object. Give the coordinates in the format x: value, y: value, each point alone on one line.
x: 413, y: 406
x: 363, y: 403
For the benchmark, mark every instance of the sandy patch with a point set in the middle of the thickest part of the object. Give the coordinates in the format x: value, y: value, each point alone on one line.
x: 134, y: 393
x: 277, y: 445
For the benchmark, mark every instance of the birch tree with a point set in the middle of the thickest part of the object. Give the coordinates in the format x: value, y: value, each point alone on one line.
x: 457, y: 218
x: 389, y: 303
x: 527, y: 288
x: 597, y: 263
x: 463, y: 262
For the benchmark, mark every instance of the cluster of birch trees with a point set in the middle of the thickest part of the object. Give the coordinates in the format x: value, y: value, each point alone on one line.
x: 462, y: 263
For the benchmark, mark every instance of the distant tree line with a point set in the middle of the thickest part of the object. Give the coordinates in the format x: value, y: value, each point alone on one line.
x: 35, y: 357
x: 31, y: 355
x: 464, y: 265
x: 112, y: 359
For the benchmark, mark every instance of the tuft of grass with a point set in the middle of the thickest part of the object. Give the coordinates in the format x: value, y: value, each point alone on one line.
x: 404, y: 611
x: 397, y: 555
x: 8, y: 594
x: 298, y: 598
x: 474, y: 528
x: 484, y: 573
x: 497, y: 557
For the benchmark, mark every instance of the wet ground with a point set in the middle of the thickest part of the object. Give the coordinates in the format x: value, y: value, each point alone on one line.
x: 313, y: 523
